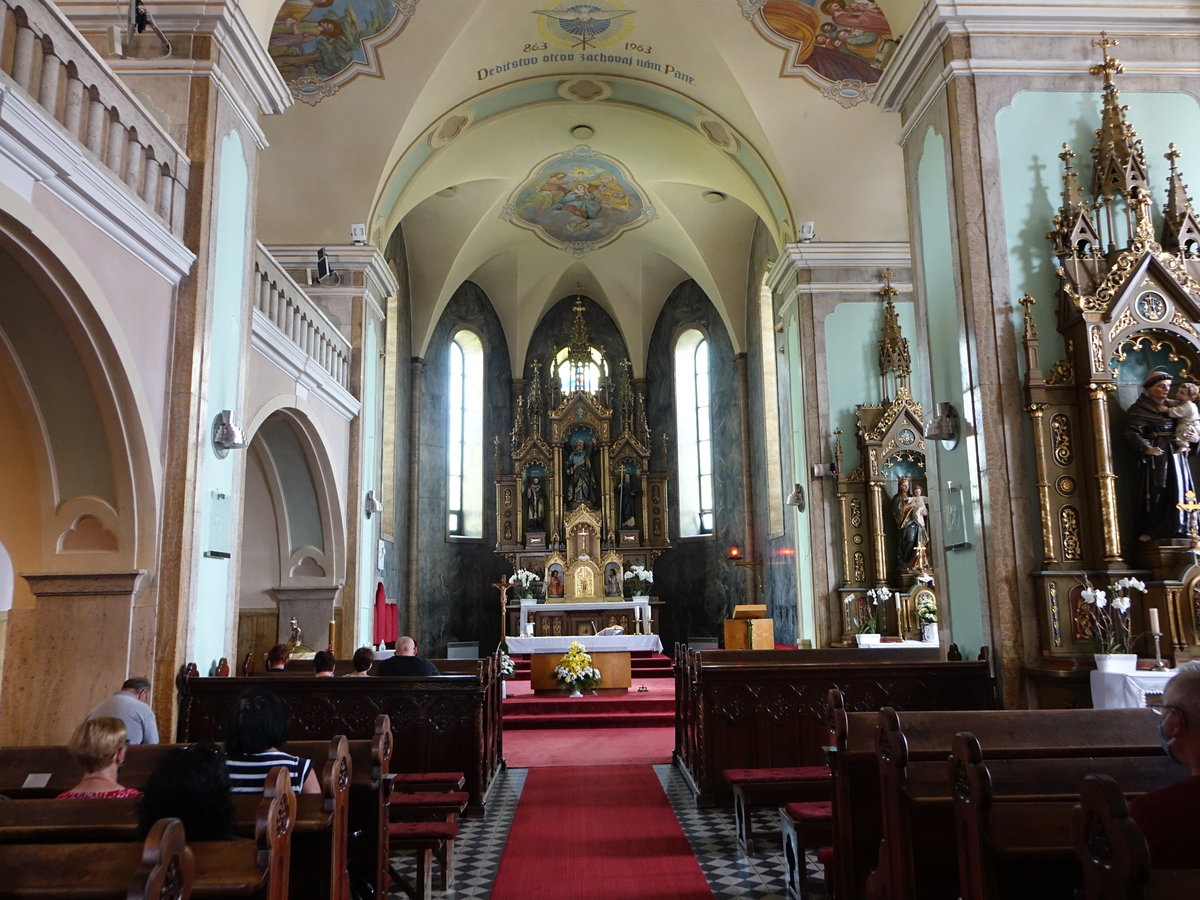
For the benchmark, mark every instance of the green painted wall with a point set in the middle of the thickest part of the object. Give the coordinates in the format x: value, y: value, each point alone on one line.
x: 222, y: 391
x: 949, y: 380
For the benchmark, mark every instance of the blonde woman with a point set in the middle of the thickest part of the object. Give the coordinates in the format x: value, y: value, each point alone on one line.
x: 98, y: 745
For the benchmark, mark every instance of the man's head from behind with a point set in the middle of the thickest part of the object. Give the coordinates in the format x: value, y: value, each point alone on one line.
x: 1180, y: 724
x: 406, y: 646
x: 323, y: 662
x: 139, y: 687
x: 277, y: 657
x: 363, y: 658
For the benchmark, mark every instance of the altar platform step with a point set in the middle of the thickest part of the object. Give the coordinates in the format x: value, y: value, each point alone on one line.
x: 653, y: 708
x: 642, y: 664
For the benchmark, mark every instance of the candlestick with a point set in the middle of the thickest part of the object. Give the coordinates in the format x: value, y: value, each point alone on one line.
x: 331, y: 625
x: 1159, y: 665
x: 1154, y: 629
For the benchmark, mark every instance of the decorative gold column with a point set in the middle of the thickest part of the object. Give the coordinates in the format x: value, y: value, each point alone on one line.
x: 1036, y: 412
x: 877, y: 534
x: 844, y: 541
x: 1106, y: 480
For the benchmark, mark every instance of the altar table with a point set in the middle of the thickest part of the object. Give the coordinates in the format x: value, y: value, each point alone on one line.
x: 639, y: 605
x: 1122, y: 690
x: 591, y: 643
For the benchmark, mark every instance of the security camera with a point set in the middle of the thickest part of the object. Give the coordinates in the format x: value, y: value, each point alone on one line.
x: 358, y: 234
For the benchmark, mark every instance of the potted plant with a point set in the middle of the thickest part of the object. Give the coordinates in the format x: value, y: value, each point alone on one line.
x: 575, y: 671
x: 927, y: 615
x: 524, y: 580
x: 1108, y: 621
x: 863, y: 613
x: 641, y: 579
x: 508, y: 668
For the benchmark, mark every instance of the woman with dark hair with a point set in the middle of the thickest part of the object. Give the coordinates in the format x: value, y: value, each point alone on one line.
x: 190, y: 784
x: 255, y: 728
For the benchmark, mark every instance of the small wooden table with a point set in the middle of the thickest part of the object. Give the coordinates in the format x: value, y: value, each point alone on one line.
x: 613, y: 667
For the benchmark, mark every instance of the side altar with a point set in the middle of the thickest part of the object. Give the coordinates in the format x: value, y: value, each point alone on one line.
x: 578, y: 505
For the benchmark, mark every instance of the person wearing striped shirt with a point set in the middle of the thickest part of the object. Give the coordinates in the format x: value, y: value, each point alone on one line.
x: 255, y: 732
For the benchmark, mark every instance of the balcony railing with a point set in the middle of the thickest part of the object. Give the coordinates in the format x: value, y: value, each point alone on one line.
x: 285, y: 304
x: 43, y: 54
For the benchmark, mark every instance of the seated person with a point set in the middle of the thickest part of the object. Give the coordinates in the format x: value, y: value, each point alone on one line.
x: 364, y: 658
x: 98, y: 745
x: 255, y: 730
x: 323, y: 663
x: 190, y: 784
x: 1163, y: 815
x: 406, y: 661
x: 277, y: 658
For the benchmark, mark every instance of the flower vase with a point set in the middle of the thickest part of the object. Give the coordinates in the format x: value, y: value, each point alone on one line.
x: 526, y: 595
x: 1125, y: 663
x: 866, y: 640
x: 929, y: 633
x: 575, y: 692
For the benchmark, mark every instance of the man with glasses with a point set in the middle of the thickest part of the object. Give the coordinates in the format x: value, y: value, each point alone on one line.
x: 1164, y: 815
x: 129, y: 705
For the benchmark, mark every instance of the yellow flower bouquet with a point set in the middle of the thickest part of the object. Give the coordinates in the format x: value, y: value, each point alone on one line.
x: 575, y: 670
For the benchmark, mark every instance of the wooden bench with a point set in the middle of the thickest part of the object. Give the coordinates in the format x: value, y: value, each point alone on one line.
x: 767, y: 708
x: 438, y: 723
x: 916, y: 799
x: 235, y: 868
x: 755, y: 788
x: 1113, y: 854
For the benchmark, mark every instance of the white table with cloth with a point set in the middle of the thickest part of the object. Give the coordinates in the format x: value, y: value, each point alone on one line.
x: 591, y: 643
x: 1127, y: 690
x: 639, y: 605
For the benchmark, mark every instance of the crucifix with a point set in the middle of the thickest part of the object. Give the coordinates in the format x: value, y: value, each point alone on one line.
x: 502, y: 586
x: 1191, y: 507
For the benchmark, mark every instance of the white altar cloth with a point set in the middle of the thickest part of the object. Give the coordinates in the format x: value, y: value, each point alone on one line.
x: 614, y: 644
x: 640, y: 607
x: 1121, y: 690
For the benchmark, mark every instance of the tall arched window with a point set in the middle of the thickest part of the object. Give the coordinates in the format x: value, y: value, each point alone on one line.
x: 464, y: 438
x: 694, y: 425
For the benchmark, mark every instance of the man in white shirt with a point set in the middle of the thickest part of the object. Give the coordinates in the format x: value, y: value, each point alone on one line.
x: 129, y: 705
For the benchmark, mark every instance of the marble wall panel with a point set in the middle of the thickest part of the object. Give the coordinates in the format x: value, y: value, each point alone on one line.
x: 700, y: 586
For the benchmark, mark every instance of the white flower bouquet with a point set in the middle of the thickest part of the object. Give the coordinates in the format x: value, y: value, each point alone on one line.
x: 575, y: 669
x: 1108, y: 616
x: 641, y: 579
x: 524, y: 579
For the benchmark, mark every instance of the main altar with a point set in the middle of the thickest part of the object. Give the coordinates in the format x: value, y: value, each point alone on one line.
x: 579, y: 506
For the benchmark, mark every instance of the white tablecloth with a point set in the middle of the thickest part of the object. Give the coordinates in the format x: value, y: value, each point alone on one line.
x: 1118, y: 690
x: 639, y: 606
x: 901, y: 645
x: 590, y: 643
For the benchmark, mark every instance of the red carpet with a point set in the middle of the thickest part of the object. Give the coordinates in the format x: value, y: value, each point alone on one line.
x: 607, y: 834
x: 530, y: 749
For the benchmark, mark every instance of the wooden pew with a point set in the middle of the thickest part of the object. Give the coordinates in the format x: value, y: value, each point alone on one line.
x: 766, y: 708
x: 234, y: 868
x: 438, y: 723
x: 915, y: 793
x: 1113, y: 854
x: 18, y: 763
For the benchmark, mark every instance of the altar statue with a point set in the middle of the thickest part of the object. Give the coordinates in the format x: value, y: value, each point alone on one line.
x: 1164, y: 475
x: 911, y: 513
x: 535, y: 505
x: 581, y: 480
x: 626, y: 505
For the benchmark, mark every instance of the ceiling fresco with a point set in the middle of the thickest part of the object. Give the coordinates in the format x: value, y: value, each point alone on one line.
x: 838, y: 46
x: 578, y: 200
x: 319, y: 45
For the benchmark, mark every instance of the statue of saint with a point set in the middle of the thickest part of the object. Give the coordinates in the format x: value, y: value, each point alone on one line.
x: 626, y: 502
x: 1164, y: 475
x: 911, y: 513
x: 581, y: 480
x: 535, y: 505
x: 554, y: 587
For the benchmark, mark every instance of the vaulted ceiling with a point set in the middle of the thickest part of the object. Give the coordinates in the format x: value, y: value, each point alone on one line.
x: 714, y: 124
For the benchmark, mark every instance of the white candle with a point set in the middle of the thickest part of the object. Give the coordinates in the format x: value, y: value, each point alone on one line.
x: 1154, y: 629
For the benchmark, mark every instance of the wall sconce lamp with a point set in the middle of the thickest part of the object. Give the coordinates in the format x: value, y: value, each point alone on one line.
x: 735, y: 556
x: 796, y: 498
x: 372, y: 504
x: 944, y: 426
x: 225, y: 435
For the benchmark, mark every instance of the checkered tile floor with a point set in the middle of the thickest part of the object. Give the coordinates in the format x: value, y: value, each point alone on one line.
x: 709, y: 831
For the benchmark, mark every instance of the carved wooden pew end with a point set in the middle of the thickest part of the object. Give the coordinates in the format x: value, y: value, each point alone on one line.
x: 805, y: 826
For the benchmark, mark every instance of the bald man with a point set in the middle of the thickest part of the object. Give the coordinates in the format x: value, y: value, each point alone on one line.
x: 406, y: 661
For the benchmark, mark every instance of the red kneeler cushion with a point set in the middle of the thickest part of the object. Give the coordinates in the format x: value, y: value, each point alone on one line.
x: 443, y: 831
x: 783, y: 773
x: 809, y: 812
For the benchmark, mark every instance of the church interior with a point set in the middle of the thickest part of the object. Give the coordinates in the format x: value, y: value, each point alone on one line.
x: 476, y: 322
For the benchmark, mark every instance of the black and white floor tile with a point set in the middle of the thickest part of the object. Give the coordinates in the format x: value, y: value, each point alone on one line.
x: 710, y: 832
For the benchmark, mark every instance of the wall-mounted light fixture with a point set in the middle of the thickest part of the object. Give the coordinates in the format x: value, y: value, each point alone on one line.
x: 372, y: 504
x: 225, y: 435
x: 944, y: 426
x: 796, y: 498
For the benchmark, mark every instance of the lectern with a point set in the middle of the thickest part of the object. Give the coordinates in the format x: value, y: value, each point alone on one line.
x: 749, y: 629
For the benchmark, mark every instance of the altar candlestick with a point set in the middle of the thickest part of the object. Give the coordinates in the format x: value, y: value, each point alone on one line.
x: 1154, y: 629
x: 331, y: 624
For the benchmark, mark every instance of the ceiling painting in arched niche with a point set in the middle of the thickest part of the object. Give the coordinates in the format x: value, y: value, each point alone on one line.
x: 578, y: 200
x: 319, y: 45
x: 839, y: 46
x: 584, y: 26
